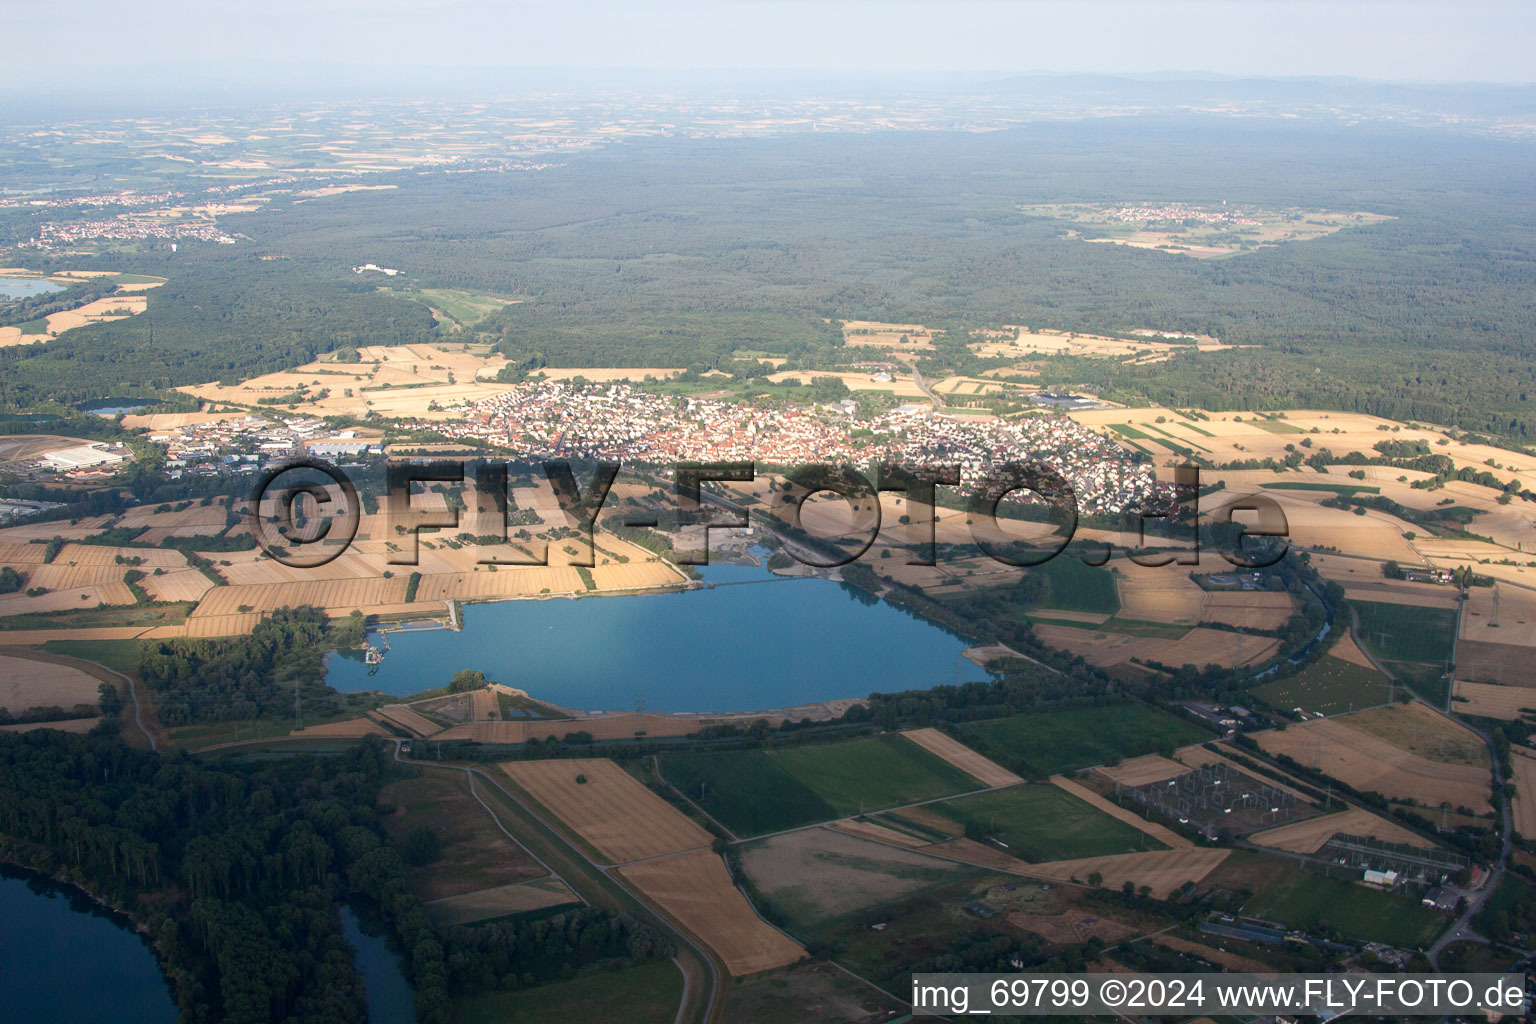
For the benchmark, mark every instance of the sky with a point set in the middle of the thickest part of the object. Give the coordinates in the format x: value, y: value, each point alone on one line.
x: 59, y: 42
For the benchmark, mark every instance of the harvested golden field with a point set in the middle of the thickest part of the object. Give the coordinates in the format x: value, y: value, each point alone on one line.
x: 1309, y: 836
x: 27, y: 683
x: 1419, y: 729
x: 1254, y: 609
x: 612, y: 811
x: 1158, y: 594
x: 1231, y: 961
x: 21, y: 554
x: 879, y: 833
x: 1524, y: 808
x: 901, y: 386
x: 177, y: 585
x: 1369, y: 763
x: 1163, y: 835
x: 417, y: 381
x: 606, y: 374
x: 74, y: 725
x: 875, y: 334
x: 1139, y: 771
x: 508, y: 581
x: 212, y: 625
x: 38, y: 637
x: 73, y: 599
x: 1516, y: 618
x: 695, y: 889
x: 348, y: 728
x: 342, y: 595
x: 43, y: 532
x: 499, y: 901
x: 603, y: 727
x: 1163, y: 870
x: 986, y: 771
x: 1098, y: 648
x: 483, y: 706
x: 1217, y: 646
x: 96, y: 554
x: 1509, y: 664
x: 1490, y: 700
x: 101, y: 311
x: 635, y: 575
x: 1345, y: 649
x: 411, y: 721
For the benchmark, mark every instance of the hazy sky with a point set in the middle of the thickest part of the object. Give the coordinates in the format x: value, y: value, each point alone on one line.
x: 1471, y: 40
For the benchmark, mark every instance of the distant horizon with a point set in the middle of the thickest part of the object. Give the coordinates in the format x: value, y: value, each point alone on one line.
x: 1411, y: 41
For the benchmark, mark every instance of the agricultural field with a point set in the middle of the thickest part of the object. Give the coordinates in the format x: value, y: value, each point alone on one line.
x: 1523, y: 765
x: 1060, y: 742
x: 793, y: 995
x: 647, y: 993
x: 604, y: 805
x: 1204, y: 231
x: 815, y: 876
x: 1331, y: 685
x: 696, y: 889
x: 988, y: 773
x: 1490, y: 700
x: 1039, y: 823
x: 1420, y: 730
x: 1309, y: 835
x: 1161, y: 871
x: 1317, y: 902
x: 1368, y: 762
x: 476, y: 854
x: 752, y: 792
x: 1397, y: 633
x: 500, y: 901
x: 39, y: 682
x: 1139, y: 771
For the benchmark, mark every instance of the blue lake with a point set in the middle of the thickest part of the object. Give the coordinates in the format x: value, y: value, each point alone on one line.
x: 25, y: 287
x: 760, y: 642
x: 64, y: 958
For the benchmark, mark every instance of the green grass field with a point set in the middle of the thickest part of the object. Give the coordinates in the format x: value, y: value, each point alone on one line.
x: 1403, y: 632
x: 1042, y: 822
x: 1063, y: 741
x: 92, y: 617
x: 746, y: 790
x: 121, y: 655
x: 1342, y: 490
x: 1274, y: 426
x: 647, y: 993
x: 1312, y: 901
x: 1076, y: 587
x: 1329, y: 685
x: 756, y: 791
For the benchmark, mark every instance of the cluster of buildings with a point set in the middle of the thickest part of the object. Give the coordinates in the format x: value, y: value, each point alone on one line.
x: 64, y: 234
x: 1181, y: 213
x: 622, y: 423
x: 241, y: 445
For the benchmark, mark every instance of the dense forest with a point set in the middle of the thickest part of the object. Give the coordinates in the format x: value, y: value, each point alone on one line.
x: 236, y: 870
x: 695, y: 252
x: 253, y: 676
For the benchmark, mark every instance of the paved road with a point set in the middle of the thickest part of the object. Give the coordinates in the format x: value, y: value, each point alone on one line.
x: 1462, y: 929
